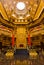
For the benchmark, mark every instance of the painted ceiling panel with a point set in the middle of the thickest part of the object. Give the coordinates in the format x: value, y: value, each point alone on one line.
x: 10, y: 7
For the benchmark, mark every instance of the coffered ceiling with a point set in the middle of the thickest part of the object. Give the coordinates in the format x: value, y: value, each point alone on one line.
x: 11, y: 9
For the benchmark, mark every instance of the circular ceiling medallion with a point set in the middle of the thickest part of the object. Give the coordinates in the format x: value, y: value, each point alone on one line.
x: 20, y: 5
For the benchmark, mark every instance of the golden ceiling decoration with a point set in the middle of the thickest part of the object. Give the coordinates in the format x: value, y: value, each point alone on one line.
x: 30, y: 8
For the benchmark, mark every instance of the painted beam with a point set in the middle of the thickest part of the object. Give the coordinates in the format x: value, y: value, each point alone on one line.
x: 39, y: 11
x: 2, y: 11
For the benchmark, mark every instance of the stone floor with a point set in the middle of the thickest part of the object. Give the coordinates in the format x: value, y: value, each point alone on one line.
x: 11, y: 61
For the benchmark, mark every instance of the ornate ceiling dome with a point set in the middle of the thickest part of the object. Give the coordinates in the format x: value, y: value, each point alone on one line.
x: 20, y: 7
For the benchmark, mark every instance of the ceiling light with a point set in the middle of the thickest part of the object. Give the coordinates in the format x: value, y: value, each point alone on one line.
x: 13, y: 15
x: 28, y: 15
x: 20, y: 5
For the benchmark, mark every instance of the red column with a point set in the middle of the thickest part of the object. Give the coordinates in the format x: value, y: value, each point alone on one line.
x: 13, y: 40
x: 29, y: 40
